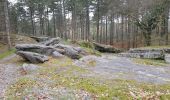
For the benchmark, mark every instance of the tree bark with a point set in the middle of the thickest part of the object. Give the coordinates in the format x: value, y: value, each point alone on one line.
x: 7, y: 24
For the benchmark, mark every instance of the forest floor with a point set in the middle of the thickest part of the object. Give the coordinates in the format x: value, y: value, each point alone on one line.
x: 105, y: 77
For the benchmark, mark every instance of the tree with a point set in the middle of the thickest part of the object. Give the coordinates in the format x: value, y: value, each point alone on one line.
x: 7, y: 24
x: 149, y: 21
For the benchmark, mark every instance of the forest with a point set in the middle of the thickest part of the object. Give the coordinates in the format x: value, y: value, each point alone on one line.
x: 84, y: 49
x: 121, y: 23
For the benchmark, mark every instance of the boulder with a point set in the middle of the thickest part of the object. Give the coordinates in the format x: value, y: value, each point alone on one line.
x: 148, y: 55
x: 145, y: 53
x: 51, y: 42
x: 40, y: 39
x: 56, y: 54
x: 68, y: 51
x: 36, y: 48
x: 106, y: 48
x: 29, y: 68
x: 167, y: 58
x: 167, y: 50
x: 32, y: 57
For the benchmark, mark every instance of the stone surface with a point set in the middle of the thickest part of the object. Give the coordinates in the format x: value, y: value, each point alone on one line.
x: 113, y: 67
x: 33, y: 57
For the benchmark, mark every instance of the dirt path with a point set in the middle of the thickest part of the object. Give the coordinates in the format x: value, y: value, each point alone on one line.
x: 8, y: 74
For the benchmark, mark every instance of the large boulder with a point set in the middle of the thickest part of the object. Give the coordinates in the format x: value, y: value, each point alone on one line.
x: 167, y: 58
x: 106, y: 48
x: 36, y: 48
x: 145, y: 53
x: 69, y: 51
x: 51, y: 42
x: 56, y: 54
x: 167, y: 50
x: 32, y: 57
x: 40, y: 39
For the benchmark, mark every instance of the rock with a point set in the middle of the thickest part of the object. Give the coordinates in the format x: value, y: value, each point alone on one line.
x: 167, y: 50
x: 36, y: 48
x: 145, y: 53
x: 61, y: 51
x: 40, y: 39
x: 56, y: 54
x: 106, y: 48
x: 78, y: 49
x: 148, y: 55
x: 33, y: 57
x: 51, y: 42
x: 29, y: 67
x: 167, y: 58
x: 69, y: 51
x: 141, y: 50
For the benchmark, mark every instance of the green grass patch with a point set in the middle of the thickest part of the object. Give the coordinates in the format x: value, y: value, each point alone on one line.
x: 92, y: 51
x: 7, y: 53
x: 86, y: 44
x: 20, y: 89
x: 150, y: 62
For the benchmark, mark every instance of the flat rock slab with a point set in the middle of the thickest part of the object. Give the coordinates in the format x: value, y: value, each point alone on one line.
x: 113, y: 67
x: 36, y: 48
x: 33, y: 57
x: 147, y: 55
x: 144, y: 53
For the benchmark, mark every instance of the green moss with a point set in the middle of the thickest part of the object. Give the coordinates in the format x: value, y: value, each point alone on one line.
x: 165, y: 97
x: 150, y: 62
x: 7, y: 53
x: 86, y: 44
x: 92, y: 51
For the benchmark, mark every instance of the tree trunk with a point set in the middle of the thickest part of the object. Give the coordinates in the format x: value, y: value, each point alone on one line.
x: 32, y: 20
x: 129, y: 32
x: 87, y: 21
x: 7, y: 24
x: 73, y: 22
x: 122, y: 31
x: 106, y: 30
x: 54, y: 24
x: 147, y: 36
x: 111, y: 29
x: 98, y: 17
